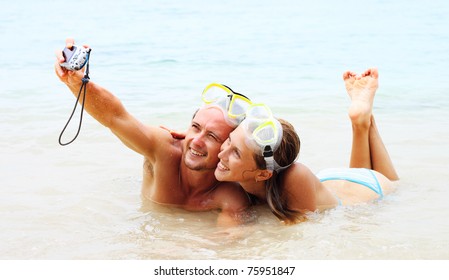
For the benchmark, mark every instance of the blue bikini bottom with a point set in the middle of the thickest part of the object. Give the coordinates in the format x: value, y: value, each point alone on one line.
x: 362, y: 176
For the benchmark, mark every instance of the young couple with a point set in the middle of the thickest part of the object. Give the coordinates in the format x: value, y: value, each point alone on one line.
x: 261, y: 155
x: 211, y: 168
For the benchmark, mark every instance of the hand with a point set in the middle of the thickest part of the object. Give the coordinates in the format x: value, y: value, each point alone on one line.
x: 70, y: 78
x: 174, y: 134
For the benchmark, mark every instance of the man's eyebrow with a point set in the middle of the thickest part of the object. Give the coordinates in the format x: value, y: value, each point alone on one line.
x: 219, y: 138
x: 216, y: 136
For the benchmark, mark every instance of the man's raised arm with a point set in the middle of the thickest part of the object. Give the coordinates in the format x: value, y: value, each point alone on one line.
x: 109, y: 110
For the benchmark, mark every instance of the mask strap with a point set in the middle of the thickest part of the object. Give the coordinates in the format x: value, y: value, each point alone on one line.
x: 271, y: 163
x: 84, y: 80
x: 279, y: 169
x: 269, y: 157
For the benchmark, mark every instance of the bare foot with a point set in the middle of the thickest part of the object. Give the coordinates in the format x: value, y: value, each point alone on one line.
x: 361, y: 90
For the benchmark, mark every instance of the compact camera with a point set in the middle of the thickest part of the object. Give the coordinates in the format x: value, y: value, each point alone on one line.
x: 75, y: 57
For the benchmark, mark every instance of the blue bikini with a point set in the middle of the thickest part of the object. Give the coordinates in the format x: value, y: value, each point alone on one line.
x: 362, y: 176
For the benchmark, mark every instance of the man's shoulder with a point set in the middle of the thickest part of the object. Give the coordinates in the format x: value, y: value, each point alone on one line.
x: 166, y: 148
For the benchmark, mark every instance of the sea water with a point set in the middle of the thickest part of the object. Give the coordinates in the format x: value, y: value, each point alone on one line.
x: 82, y: 201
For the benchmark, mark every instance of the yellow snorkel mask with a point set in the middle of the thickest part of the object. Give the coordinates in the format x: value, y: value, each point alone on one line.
x: 265, y: 131
x: 233, y: 104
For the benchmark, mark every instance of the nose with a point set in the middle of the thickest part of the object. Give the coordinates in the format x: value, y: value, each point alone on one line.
x: 198, y: 139
x: 223, y: 151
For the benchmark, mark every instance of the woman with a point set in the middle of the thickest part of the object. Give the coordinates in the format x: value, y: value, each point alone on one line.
x: 261, y: 153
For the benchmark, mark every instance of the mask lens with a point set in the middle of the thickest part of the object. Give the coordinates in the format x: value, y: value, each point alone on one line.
x: 214, y: 92
x: 238, y: 106
x: 266, y: 134
x: 259, y: 112
x: 233, y: 104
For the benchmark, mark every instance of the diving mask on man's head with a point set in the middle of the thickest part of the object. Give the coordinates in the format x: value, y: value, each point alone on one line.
x: 233, y: 104
x: 266, y: 133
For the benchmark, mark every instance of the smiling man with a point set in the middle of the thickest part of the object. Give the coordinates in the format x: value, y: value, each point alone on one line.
x: 176, y: 172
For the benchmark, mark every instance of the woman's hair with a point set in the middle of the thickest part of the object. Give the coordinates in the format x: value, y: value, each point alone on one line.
x: 285, y: 154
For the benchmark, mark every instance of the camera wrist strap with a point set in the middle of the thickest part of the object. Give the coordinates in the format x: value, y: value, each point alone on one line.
x: 84, y: 80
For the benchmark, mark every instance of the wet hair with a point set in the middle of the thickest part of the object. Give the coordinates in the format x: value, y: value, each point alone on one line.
x: 284, y: 155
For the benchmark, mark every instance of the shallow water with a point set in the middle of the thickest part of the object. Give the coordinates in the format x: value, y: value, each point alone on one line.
x: 83, y: 201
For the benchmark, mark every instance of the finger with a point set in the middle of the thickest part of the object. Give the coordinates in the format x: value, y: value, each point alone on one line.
x: 164, y: 127
x: 59, y: 70
x: 59, y: 57
x: 177, y: 135
x: 69, y: 42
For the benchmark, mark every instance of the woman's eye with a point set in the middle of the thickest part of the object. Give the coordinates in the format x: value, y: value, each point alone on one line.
x: 236, y: 153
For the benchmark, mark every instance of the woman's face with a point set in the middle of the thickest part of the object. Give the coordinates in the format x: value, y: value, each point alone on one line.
x: 236, y: 159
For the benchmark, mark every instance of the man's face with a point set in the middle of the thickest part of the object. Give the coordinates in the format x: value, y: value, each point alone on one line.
x: 204, y: 137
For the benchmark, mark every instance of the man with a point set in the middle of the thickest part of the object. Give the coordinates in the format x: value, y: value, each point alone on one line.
x: 177, y: 172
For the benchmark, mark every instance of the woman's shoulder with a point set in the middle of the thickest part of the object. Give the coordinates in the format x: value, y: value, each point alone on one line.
x: 299, y: 185
x: 298, y: 170
x: 299, y: 177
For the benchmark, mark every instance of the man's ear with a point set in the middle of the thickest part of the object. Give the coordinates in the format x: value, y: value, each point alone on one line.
x: 264, y: 175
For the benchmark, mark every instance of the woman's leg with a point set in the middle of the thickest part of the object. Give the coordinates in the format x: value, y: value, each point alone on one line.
x: 368, y: 150
x: 380, y: 159
x: 360, y: 114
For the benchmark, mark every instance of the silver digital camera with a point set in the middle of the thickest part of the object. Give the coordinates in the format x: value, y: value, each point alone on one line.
x: 75, y: 58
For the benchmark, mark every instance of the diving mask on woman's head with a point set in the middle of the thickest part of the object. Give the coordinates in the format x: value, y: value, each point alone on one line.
x: 265, y: 131
x: 233, y: 104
